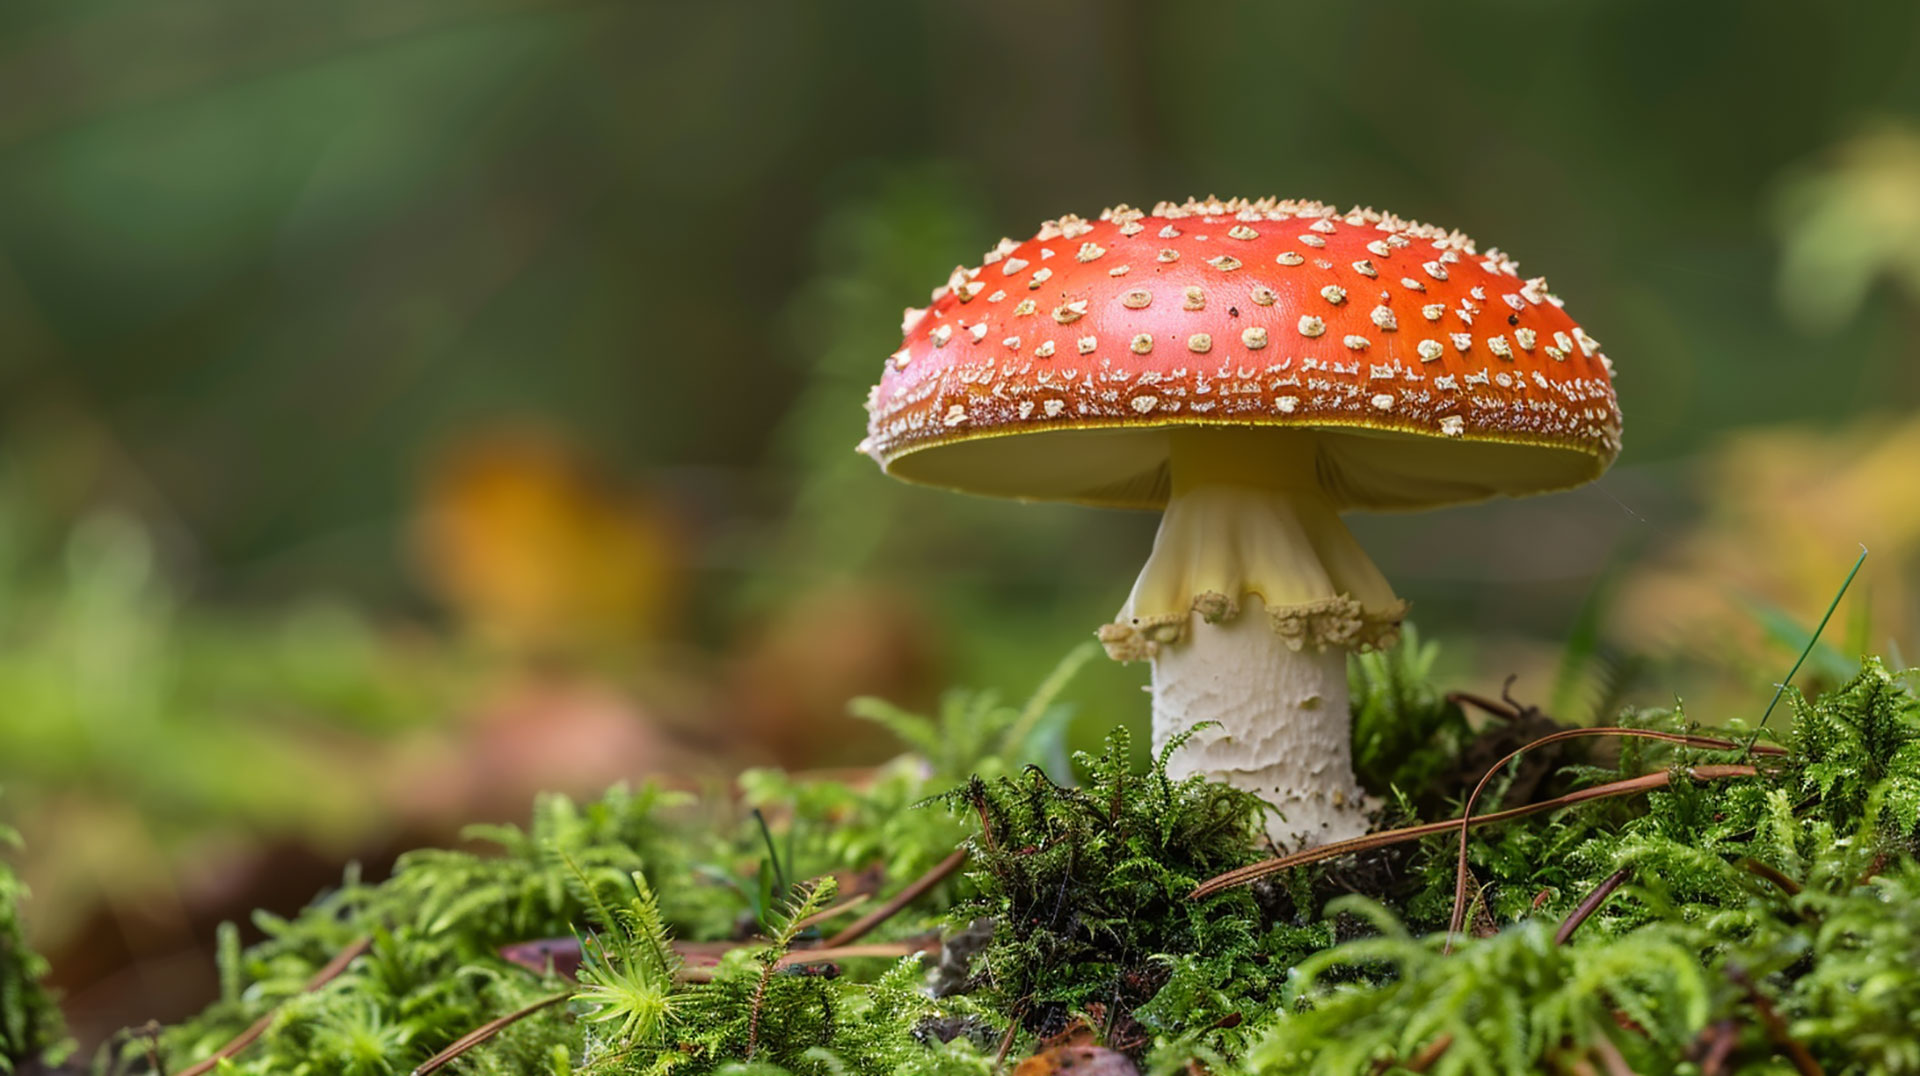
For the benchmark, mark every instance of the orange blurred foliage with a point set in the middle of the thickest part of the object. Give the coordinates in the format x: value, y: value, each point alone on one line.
x: 1082, y: 1060
x: 537, y: 551
x: 1787, y: 510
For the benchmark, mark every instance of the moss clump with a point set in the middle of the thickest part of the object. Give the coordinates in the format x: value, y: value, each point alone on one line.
x: 754, y: 1012
x: 1747, y: 920
x: 1756, y: 917
x: 31, y: 1031
x: 1088, y: 889
x: 434, y: 969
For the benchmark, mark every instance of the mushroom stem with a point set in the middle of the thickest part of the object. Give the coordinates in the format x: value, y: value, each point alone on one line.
x: 1247, y: 607
x: 1280, y: 731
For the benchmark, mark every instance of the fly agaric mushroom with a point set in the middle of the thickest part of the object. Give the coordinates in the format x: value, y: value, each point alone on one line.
x: 1253, y: 368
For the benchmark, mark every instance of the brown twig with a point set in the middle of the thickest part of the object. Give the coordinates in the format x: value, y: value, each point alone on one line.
x: 245, y: 1039
x: 1719, y: 1040
x: 1873, y: 869
x: 1610, y: 1057
x: 1460, y: 873
x: 817, y: 956
x: 486, y: 1031
x: 840, y: 945
x: 1429, y: 1054
x: 150, y: 1033
x: 1507, y: 708
x: 1801, y: 1057
x: 1385, y: 838
x: 986, y: 824
x: 834, y: 912
x: 1231, y: 1020
x: 1006, y: 1042
x: 1591, y: 904
x: 859, y: 927
x: 1786, y: 885
x: 1494, y: 707
x: 1422, y: 1059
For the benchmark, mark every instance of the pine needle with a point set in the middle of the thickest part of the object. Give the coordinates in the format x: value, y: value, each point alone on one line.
x: 245, y: 1039
x: 486, y: 1031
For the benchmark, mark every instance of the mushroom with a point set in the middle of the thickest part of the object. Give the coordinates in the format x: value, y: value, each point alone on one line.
x: 1253, y: 369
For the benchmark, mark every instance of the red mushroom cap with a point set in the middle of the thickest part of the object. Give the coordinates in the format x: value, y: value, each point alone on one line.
x: 1435, y: 373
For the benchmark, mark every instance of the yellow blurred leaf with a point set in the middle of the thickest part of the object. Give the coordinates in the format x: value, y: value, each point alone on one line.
x: 534, y: 549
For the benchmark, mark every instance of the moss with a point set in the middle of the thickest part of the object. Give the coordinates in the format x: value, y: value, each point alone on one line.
x: 31, y: 1031
x: 1088, y: 888
x: 1749, y: 917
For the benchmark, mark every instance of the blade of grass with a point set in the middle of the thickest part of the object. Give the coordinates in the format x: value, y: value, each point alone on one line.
x: 1781, y: 688
x: 1044, y: 696
x: 1582, y: 647
x: 773, y: 851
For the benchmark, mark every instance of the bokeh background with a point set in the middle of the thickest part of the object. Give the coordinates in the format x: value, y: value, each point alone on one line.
x: 406, y: 405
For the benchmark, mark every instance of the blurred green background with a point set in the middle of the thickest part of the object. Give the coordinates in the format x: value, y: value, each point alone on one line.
x: 409, y: 404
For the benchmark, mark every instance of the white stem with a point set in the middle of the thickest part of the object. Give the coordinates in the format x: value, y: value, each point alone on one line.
x: 1282, y: 723
x: 1253, y: 596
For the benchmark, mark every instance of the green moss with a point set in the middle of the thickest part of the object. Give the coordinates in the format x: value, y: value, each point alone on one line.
x: 1792, y: 891
x: 1753, y: 911
x: 1088, y: 888
x: 434, y: 970
x: 30, y: 1025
